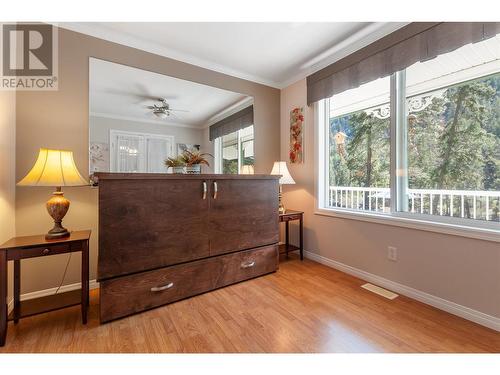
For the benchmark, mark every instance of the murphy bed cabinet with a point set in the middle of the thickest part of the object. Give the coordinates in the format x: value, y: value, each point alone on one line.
x: 165, y: 237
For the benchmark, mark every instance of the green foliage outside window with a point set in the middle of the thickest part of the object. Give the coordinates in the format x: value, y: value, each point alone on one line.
x: 454, y: 143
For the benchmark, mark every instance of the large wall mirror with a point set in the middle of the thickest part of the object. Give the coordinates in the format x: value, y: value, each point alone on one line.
x: 137, y: 119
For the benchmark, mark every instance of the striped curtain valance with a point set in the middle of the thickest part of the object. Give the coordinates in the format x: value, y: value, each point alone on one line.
x: 232, y: 123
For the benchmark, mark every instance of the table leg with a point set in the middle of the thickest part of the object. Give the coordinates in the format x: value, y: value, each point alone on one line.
x: 85, y: 282
x: 3, y: 296
x: 287, y: 237
x: 301, y: 234
x: 17, y: 290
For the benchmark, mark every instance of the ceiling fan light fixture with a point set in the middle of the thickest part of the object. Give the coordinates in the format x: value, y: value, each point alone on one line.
x: 161, y: 113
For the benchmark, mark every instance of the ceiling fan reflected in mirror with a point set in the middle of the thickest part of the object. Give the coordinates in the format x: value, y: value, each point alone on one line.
x: 163, y: 110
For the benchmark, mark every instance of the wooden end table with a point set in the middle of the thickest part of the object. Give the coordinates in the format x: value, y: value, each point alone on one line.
x: 286, y: 217
x: 19, y: 248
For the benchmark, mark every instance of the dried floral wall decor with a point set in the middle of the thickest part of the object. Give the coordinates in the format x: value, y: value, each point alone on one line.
x: 296, y: 153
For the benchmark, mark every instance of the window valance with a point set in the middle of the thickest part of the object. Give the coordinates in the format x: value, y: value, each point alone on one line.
x: 418, y: 41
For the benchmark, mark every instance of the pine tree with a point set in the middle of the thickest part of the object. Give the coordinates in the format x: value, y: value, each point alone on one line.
x: 368, y: 150
x: 464, y: 143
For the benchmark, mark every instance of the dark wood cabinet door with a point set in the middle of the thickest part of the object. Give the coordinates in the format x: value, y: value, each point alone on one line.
x: 143, y: 226
x: 243, y: 214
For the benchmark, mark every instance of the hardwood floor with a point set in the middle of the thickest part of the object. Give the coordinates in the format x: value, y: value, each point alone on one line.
x: 304, y: 307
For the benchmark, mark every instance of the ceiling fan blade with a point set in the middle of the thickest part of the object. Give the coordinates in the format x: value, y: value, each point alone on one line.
x: 143, y: 93
x: 179, y: 110
x: 149, y: 98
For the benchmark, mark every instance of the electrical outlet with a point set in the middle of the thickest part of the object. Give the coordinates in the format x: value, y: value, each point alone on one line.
x: 392, y: 253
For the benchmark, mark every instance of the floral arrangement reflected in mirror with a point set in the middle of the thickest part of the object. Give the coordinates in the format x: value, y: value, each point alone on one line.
x: 194, y: 160
x: 177, y: 164
x: 188, y: 162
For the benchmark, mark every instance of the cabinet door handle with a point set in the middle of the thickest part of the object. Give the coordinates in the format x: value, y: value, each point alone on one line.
x: 216, y: 189
x: 45, y: 251
x: 204, y: 190
x: 248, y: 264
x: 161, y: 288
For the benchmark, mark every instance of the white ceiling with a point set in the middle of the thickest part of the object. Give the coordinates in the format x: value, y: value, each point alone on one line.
x: 123, y: 92
x: 273, y: 53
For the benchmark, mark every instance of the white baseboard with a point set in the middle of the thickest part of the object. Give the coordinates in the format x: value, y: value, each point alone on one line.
x: 440, y: 303
x: 93, y: 284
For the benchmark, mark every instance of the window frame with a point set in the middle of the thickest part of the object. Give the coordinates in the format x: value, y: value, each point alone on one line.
x: 442, y: 224
x: 218, y: 152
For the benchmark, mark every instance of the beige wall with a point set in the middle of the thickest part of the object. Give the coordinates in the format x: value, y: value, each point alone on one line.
x: 461, y: 270
x: 7, y: 169
x: 60, y: 119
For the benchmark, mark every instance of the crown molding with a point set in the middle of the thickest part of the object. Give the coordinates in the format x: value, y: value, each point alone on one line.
x: 356, y: 41
x: 238, y: 106
x: 104, y: 33
x: 360, y: 39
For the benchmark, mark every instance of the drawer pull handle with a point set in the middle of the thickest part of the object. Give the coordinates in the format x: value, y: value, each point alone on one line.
x: 248, y: 264
x: 216, y: 189
x: 204, y: 190
x: 45, y: 251
x: 161, y: 288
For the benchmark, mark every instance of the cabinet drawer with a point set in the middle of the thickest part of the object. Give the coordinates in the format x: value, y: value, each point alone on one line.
x: 46, y: 250
x: 248, y: 264
x: 130, y: 294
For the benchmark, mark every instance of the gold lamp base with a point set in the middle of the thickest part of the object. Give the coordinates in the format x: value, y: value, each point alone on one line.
x: 57, y: 206
x: 281, y: 207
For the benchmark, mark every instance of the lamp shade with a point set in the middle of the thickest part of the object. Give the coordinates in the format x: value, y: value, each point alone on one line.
x: 53, y: 168
x: 279, y: 167
x: 247, y: 169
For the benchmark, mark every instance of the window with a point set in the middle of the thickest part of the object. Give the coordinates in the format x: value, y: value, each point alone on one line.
x: 421, y: 144
x: 234, y: 150
x: 453, y: 150
x: 230, y: 153
x: 139, y: 152
x: 359, y: 147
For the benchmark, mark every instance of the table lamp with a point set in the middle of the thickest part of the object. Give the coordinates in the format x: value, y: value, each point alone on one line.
x: 247, y: 169
x: 55, y: 168
x: 279, y: 167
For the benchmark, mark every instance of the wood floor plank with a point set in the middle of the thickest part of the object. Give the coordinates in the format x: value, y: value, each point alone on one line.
x: 304, y: 307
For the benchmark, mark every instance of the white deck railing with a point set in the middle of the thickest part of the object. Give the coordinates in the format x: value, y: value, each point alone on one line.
x: 483, y: 205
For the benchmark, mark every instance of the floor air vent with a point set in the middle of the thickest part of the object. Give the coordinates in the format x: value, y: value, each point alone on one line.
x: 380, y: 291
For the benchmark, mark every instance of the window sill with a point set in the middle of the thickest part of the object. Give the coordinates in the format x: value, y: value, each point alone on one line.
x: 414, y: 223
